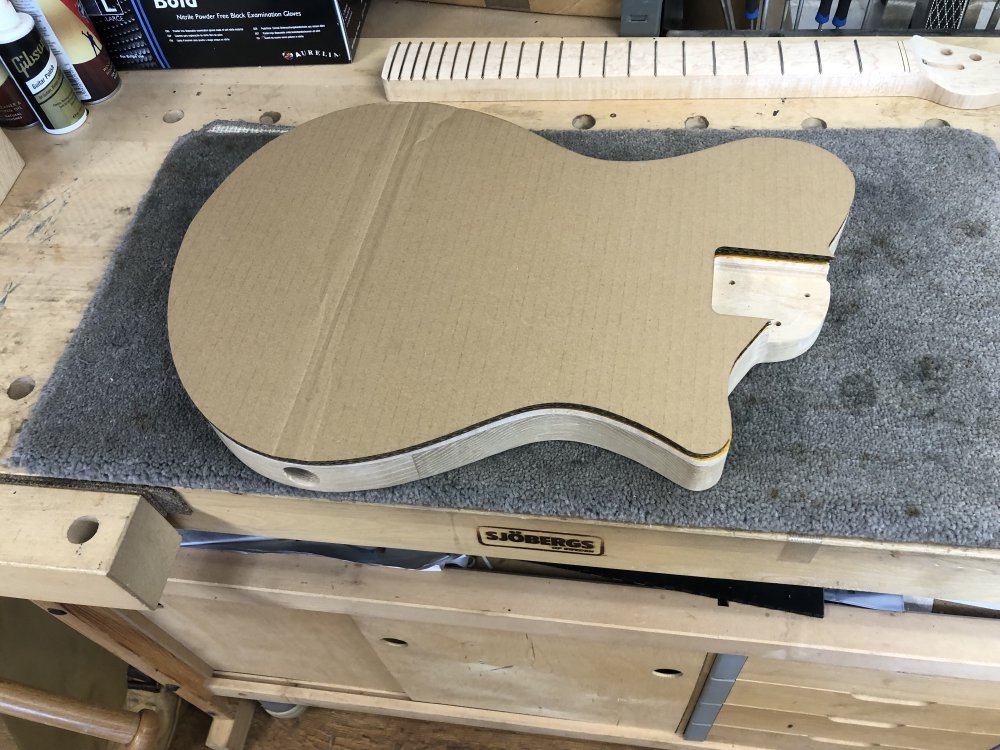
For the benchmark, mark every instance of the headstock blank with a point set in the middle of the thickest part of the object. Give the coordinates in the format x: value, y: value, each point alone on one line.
x: 960, y: 77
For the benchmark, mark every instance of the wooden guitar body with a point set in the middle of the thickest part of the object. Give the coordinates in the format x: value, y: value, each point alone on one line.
x: 392, y: 291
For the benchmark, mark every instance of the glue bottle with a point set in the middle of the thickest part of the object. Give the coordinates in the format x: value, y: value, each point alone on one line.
x: 35, y: 71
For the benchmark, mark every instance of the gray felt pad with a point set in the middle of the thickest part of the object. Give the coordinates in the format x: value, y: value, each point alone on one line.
x: 887, y: 429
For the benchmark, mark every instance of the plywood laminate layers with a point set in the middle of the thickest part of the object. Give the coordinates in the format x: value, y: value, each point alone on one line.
x: 384, y: 276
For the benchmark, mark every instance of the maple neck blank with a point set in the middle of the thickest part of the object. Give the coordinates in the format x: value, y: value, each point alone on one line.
x: 675, y: 68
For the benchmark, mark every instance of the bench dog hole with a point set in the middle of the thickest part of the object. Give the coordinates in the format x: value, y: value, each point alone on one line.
x: 82, y: 530
x: 20, y: 387
x: 667, y: 672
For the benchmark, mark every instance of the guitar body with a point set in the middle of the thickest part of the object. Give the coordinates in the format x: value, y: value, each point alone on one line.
x: 392, y: 291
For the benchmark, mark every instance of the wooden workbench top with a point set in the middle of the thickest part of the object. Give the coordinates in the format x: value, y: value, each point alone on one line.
x: 67, y: 211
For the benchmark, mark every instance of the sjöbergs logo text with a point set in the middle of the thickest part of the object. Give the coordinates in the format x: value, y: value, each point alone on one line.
x: 547, y: 541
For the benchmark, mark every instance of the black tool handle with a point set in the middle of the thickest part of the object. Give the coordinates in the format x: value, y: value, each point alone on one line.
x: 823, y: 14
x: 840, y: 17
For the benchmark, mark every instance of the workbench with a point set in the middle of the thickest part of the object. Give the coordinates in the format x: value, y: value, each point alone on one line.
x: 563, y: 657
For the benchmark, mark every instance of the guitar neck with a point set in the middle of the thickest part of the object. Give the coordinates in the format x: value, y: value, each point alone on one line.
x: 689, y: 68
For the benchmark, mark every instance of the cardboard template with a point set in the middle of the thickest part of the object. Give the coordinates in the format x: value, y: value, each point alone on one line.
x: 389, y: 277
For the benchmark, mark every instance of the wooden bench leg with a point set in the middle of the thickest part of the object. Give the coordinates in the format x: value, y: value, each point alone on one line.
x: 231, y: 733
x: 139, y: 642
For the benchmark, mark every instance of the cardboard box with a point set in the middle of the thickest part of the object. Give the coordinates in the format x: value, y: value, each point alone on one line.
x: 144, y: 34
x: 593, y: 8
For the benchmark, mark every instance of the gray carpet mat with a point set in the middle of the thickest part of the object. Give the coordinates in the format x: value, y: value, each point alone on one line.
x: 887, y: 429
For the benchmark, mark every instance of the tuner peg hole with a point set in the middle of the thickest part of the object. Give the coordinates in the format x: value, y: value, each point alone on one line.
x: 696, y: 122
x: 396, y: 642
x: 584, y: 122
x: 732, y: 283
x: 943, y: 65
x: 813, y: 123
x: 173, y: 115
x: 945, y: 51
x: 937, y: 122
